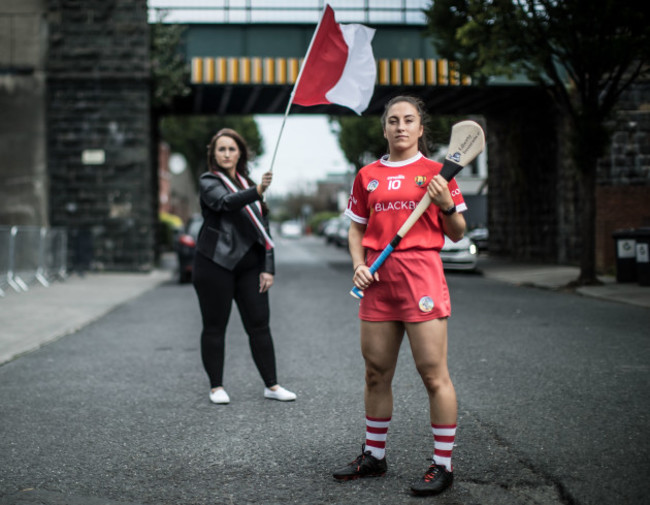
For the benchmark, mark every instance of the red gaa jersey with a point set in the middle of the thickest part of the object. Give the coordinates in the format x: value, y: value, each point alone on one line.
x: 384, y: 195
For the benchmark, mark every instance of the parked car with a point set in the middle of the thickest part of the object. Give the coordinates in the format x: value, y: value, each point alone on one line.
x: 342, y: 230
x: 185, y: 247
x: 291, y: 229
x: 480, y: 237
x: 461, y: 255
x: 319, y: 229
x: 330, y: 230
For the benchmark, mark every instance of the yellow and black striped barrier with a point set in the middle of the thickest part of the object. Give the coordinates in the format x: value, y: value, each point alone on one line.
x: 390, y: 72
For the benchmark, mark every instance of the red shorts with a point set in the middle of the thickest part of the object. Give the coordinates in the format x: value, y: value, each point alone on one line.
x: 411, y: 288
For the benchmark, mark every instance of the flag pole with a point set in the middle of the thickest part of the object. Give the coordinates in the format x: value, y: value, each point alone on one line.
x: 284, y: 120
x: 293, y: 91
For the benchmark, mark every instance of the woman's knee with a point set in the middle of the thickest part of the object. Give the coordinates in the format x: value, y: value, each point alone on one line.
x: 378, y: 377
x: 436, y: 383
x: 255, y: 319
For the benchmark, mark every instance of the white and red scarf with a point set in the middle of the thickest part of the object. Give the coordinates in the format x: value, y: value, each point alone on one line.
x: 251, y: 213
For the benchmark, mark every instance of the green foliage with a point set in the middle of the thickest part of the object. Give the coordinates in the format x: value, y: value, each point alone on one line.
x: 169, y: 71
x: 316, y: 221
x: 471, y: 33
x: 279, y: 214
x: 586, y: 52
x: 438, y: 130
x: 361, y: 138
x: 190, y: 136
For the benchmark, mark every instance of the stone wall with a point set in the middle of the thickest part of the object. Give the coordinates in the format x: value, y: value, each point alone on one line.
x: 534, y: 203
x: 522, y: 203
x: 102, y: 178
x: 23, y: 176
x: 623, y: 194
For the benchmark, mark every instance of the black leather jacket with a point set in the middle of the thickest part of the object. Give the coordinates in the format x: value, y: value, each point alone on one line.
x: 228, y: 232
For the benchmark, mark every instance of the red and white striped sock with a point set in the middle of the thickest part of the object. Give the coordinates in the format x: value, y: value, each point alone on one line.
x: 376, y: 434
x: 443, y: 444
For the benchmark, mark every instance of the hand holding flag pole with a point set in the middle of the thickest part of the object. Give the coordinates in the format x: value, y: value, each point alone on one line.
x: 339, y: 68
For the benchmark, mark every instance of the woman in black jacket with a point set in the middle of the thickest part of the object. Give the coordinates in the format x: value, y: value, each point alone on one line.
x: 234, y: 261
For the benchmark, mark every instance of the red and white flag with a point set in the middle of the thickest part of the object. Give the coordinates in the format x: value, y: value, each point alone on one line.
x: 339, y: 67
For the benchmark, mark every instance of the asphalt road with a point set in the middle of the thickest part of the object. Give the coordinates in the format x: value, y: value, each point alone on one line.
x: 553, y: 402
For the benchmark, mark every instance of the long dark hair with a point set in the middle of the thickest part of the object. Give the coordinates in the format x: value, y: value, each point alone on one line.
x: 422, y: 112
x: 242, y: 163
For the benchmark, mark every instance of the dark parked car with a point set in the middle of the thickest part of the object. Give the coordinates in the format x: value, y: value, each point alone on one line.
x: 185, y: 247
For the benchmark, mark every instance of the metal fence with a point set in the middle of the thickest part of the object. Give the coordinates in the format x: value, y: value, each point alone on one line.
x: 403, y: 12
x: 30, y: 255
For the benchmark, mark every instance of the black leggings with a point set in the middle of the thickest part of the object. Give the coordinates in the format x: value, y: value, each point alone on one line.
x: 216, y: 288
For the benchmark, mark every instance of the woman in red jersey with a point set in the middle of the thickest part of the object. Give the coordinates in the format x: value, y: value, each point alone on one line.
x: 409, y: 293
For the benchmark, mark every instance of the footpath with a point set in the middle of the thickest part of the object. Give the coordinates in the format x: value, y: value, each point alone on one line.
x: 42, y: 315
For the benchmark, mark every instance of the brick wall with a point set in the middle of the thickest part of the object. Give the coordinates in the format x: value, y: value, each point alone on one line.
x: 618, y: 207
x: 98, y: 103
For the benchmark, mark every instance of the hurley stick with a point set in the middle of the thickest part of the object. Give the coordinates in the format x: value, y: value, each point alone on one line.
x: 466, y: 143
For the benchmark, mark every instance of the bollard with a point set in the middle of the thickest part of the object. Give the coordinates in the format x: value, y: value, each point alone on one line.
x: 14, y: 280
x: 42, y: 246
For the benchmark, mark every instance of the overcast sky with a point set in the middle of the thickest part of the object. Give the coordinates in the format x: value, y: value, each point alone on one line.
x: 307, y: 152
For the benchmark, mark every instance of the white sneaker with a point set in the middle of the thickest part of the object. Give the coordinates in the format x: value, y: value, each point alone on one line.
x: 219, y: 396
x: 279, y: 394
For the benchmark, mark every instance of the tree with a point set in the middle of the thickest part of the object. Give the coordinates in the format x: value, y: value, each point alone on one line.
x: 361, y: 138
x: 190, y: 136
x: 169, y: 71
x: 586, y: 53
x: 169, y: 78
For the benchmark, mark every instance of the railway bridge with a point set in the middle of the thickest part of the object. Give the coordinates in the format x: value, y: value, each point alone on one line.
x: 76, y: 136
